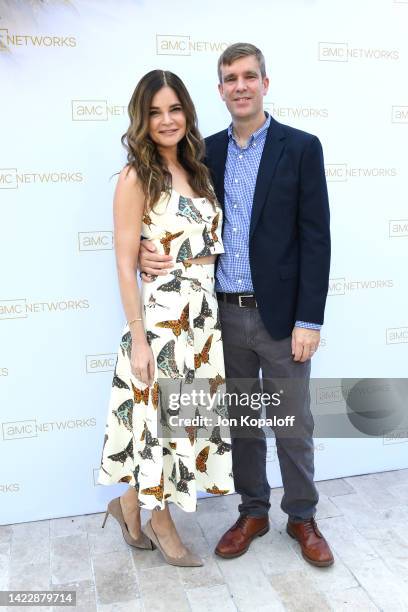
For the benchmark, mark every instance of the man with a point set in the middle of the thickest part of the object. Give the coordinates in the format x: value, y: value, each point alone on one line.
x: 271, y: 285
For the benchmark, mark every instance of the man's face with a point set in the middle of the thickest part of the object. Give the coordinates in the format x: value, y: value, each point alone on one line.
x: 243, y: 88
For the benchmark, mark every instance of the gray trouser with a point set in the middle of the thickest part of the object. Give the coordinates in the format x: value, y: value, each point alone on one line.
x: 248, y: 347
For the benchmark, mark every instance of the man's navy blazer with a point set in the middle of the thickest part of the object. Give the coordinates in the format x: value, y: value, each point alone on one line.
x: 289, y: 236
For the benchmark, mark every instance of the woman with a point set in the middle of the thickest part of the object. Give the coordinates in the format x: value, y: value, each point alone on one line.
x: 172, y: 337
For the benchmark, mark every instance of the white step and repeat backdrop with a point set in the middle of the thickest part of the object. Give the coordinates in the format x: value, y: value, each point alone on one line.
x: 67, y: 70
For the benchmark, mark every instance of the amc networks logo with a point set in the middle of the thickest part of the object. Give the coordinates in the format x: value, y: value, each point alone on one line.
x: 296, y: 112
x: 341, y: 286
x: 95, y: 241
x: 17, y: 430
x: 398, y: 228
x: 104, y: 362
x: 11, y: 178
x: 340, y: 173
x: 22, y: 308
x: 9, y: 41
x: 329, y: 395
x: 343, y: 52
x: 95, y: 110
x: 12, y: 487
x: 396, y: 335
x: 174, y: 44
x: 399, y: 114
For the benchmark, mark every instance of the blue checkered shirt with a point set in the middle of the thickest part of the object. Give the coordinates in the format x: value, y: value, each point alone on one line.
x: 241, y: 170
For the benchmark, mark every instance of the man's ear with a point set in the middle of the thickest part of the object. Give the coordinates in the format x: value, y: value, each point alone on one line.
x: 221, y: 90
x: 265, y: 83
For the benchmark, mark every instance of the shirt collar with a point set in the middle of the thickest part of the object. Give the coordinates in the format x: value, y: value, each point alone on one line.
x: 256, y: 135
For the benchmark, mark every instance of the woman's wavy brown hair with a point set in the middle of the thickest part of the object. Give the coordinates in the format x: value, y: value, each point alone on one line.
x: 142, y: 152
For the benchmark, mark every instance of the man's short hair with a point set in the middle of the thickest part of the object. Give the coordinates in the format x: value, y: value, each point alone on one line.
x: 238, y: 50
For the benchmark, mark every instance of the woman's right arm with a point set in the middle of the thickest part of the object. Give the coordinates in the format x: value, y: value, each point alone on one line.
x: 128, y: 207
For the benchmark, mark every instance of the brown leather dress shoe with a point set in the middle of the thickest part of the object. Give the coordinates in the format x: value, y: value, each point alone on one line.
x: 314, y: 547
x: 237, y: 540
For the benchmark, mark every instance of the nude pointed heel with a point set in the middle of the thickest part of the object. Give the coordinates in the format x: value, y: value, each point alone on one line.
x: 189, y: 559
x: 115, y: 509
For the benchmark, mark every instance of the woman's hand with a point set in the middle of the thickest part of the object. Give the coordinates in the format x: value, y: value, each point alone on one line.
x: 142, y: 362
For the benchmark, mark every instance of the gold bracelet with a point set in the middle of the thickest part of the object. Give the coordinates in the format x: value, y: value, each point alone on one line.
x: 133, y: 320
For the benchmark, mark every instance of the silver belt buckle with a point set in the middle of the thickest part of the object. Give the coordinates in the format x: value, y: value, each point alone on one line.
x: 243, y: 296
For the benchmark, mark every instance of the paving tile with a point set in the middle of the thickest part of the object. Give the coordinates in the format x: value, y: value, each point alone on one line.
x: 337, y: 486
x: 134, y: 605
x: 346, y: 541
x: 30, y: 542
x: 298, y: 593
x: 30, y: 576
x: 383, y: 587
x: 392, y: 478
x: 85, y: 596
x: 351, y: 600
x: 390, y: 546
x: 115, y: 577
x: 211, y: 598
x: 372, y: 491
x: 357, y: 510
x: 247, y: 583
x: 206, y: 576
x: 70, y: 525
x: 70, y: 559
x: 162, y: 591
x: 275, y: 554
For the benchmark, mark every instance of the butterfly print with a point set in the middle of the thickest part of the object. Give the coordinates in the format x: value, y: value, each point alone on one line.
x: 124, y: 414
x: 185, y: 478
x: 124, y: 454
x: 187, y: 209
x: 166, y: 451
x: 202, y: 357
x: 126, y: 344
x: 208, y: 242
x: 173, y: 476
x: 155, y: 395
x: 140, y: 395
x: 150, y: 336
x: 214, y: 226
x: 191, y: 432
x: 216, y: 491
x: 178, y: 325
x: 119, y: 383
x: 215, y: 438
x: 136, y: 476
x: 173, y: 445
x: 217, y: 325
x: 157, y: 491
x: 221, y: 410
x: 188, y: 375
x: 205, y: 312
x: 166, y: 240
x: 153, y: 303
x: 184, y: 253
x: 166, y: 361
x: 173, y: 285
x: 215, y: 383
x: 201, y: 460
x: 147, y: 220
x: 150, y: 442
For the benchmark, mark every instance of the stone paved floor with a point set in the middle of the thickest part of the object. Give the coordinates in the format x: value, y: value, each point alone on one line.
x: 365, y: 519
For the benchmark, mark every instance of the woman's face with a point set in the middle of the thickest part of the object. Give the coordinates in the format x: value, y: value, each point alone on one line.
x: 167, y: 124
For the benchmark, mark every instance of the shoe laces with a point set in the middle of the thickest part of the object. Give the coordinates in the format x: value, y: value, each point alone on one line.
x: 241, y: 522
x: 310, y: 526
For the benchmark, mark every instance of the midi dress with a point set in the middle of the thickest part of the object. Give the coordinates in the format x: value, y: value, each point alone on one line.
x: 146, y: 443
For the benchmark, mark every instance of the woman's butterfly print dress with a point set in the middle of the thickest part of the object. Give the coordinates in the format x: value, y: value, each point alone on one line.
x: 183, y: 329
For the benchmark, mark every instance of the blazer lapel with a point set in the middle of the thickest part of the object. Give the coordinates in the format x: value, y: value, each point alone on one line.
x: 218, y: 157
x: 271, y: 153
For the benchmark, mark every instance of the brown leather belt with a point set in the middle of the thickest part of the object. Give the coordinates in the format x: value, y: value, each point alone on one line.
x: 243, y: 300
